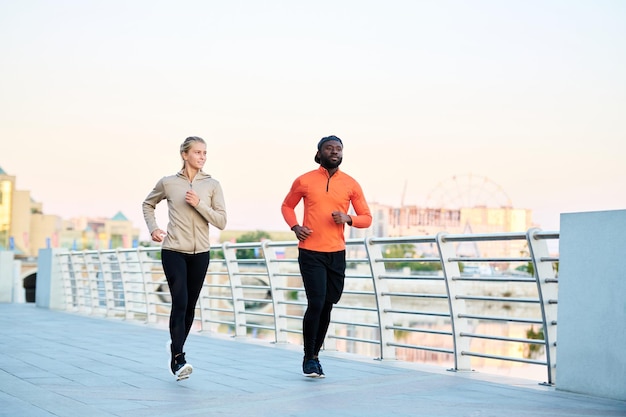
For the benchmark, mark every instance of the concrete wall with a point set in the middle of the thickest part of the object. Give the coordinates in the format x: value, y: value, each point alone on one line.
x: 19, y: 292
x: 6, y: 276
x: 592, y: 304
x: 12, y: 274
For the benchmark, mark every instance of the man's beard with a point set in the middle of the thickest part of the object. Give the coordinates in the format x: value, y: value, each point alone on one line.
x: 328, y: 164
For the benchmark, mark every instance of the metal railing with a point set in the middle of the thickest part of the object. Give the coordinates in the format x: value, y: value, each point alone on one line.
x: 431, y: 303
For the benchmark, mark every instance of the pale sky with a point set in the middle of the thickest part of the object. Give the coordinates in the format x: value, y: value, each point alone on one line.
x: 96, y: 97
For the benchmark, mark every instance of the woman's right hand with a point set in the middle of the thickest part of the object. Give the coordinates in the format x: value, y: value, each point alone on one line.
x: 157, y: 235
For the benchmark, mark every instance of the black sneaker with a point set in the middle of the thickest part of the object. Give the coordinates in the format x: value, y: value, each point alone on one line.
x: 320, y: 371
x: 179, y: 367
x: 310, y: 368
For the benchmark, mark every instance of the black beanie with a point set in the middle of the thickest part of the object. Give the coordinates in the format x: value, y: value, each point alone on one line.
x: 324, y: 140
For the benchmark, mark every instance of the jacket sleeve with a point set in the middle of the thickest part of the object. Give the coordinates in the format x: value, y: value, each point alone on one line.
x: 363, y: 218
x: 215, y: 213
x: 289, y: 204
x: 149, y: 205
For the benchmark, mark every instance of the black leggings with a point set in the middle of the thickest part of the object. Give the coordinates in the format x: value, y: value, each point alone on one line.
x: 323, y: 275
x: 185, y: 275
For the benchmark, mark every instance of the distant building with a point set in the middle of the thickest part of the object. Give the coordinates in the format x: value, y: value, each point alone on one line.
x: 24, y: 229
x: 390, y: 221
x: 98, y: 233
x: 460, y: 204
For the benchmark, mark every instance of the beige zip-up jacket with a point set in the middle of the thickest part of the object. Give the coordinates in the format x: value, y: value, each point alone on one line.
x: 188, y: 227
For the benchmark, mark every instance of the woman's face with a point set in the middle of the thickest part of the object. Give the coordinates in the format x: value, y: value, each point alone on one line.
x: 195, y: 157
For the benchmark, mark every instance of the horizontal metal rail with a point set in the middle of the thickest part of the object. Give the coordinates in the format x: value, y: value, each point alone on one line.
x: 438, y: 300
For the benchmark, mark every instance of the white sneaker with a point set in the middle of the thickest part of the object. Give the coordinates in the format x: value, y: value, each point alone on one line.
x: 184, y: 372
x: 177, y: 365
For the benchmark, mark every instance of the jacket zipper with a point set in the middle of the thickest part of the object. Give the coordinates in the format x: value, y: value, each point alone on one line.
x: 193, y: 226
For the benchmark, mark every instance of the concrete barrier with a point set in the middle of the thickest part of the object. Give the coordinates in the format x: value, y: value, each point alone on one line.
x: 6, y: 277
x: 592, y: 304
x: 49, y: 291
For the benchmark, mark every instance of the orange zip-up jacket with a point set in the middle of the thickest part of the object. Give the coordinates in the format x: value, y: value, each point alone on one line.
x: 322, y: 195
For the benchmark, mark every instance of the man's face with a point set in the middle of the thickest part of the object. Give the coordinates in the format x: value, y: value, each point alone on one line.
x: 331, y: 154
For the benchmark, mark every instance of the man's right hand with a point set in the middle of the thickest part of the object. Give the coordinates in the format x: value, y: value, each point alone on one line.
x: 302, y: 232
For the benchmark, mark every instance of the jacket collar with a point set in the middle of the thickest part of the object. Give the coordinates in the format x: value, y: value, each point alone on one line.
x: 199, y: 176
x: 325, y: 171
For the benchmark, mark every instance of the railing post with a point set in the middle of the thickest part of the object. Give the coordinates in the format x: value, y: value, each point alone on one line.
x: 131, y: 294
x: 145, y: 265
x: 64, y: 265
x: 383, y: 301
x: 82, y: 284
x: 92, y: 272
x: 239, y: 306
x: 145, y: 276
x: 77, y: 272
x: 278, y: 297
x: 106, y: 272
x: 460, y: 324
x: 547, y: 286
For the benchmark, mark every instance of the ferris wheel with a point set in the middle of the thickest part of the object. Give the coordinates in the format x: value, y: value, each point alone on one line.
x: 467, y: 191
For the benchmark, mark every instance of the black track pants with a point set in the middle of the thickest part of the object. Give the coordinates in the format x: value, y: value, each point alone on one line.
x: 185, y: 275
x: 323, y: 275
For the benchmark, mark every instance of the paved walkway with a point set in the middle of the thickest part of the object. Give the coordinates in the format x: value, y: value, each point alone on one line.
x: 62, y: 364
